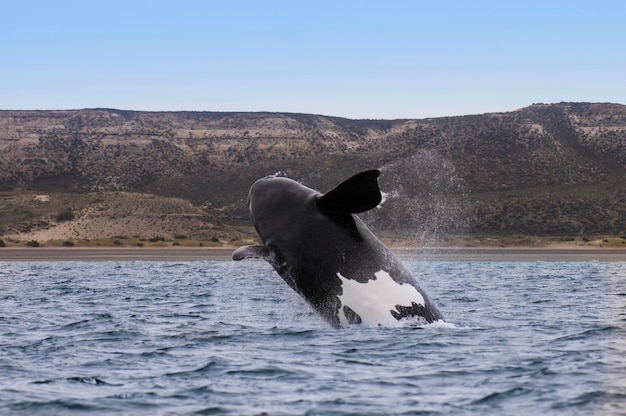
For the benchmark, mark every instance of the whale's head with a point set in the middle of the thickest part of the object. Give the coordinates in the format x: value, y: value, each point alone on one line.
x: 278, y: 203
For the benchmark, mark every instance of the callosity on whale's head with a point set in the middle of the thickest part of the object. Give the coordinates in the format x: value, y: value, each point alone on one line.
x: 324, y: 252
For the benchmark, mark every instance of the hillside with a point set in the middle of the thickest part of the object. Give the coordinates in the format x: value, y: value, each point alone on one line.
x: 543, y: 170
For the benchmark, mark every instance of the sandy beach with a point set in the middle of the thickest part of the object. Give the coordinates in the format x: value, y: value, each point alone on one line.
x: 224, y: 254
x: 116, y: 254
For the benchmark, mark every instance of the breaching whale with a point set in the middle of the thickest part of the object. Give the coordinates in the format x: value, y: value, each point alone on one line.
x: 324, y: 252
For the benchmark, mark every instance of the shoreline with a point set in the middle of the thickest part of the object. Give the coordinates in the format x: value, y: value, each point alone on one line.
x: 34, y: 254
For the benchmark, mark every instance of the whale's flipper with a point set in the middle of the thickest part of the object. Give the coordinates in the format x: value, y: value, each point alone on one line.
x: 253, y: 252
x: 268, y: 253
x: 359, y: 193
x: 271, y: 255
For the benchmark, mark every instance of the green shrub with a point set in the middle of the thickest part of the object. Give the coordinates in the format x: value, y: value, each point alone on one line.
x: 33, y: 243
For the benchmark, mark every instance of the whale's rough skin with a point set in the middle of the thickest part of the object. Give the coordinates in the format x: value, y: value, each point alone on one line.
x: 324, y: 252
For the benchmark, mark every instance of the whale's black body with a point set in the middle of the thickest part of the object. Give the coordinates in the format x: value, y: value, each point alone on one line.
x: 326, y: 254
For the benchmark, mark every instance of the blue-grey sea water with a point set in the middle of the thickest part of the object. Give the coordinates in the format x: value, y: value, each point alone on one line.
x: 213, y: 338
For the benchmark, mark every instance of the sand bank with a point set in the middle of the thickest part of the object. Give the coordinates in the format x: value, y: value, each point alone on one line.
x: 115, y: 253
x: 224, y: 254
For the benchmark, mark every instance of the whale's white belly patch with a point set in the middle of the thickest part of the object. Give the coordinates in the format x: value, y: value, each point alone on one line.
x: 374, y: 300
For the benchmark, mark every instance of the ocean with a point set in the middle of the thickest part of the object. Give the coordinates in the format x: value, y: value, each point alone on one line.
x: 225, y: 338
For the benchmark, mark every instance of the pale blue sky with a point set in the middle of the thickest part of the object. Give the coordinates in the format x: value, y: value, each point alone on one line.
x: 357, y: 59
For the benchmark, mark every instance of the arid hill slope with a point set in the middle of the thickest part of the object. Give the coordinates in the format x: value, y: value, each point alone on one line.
x: 556, y: 169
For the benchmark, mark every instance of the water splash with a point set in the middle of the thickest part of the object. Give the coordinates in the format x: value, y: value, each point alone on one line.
x: 424, y: 200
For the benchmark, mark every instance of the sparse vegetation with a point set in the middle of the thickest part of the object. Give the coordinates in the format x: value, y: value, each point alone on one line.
x: 182, y: 178
x: 67, y: 215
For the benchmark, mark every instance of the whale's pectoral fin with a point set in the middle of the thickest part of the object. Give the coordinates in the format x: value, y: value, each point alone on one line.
x: 270, y: 254
x: 356, y: 194
x: 253, y: 252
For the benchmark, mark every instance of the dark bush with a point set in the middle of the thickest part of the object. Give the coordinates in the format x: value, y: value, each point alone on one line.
x: 33, y: 243
x: 68, y: 244
x: 2, y: 243
x: 67, y: 215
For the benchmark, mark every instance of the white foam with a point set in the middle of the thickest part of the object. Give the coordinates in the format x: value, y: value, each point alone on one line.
x: 374, y: 300
x: 385, y: 196
x: 412, y: 321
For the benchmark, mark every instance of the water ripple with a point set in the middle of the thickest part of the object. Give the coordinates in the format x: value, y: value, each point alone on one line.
x: 213, y: 338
